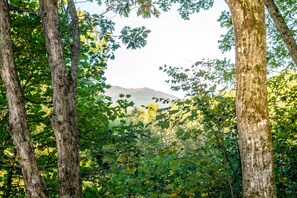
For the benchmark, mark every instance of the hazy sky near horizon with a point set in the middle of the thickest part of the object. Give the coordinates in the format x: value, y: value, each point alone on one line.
x: 172, y: 41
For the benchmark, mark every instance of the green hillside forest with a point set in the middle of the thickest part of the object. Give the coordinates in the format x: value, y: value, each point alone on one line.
x: 64, y: 132
x: 139, y: 96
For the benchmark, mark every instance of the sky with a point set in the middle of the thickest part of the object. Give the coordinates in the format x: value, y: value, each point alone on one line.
x: 172, y: 41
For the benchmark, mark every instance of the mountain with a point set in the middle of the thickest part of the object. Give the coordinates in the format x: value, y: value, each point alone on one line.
x: 140, y: 96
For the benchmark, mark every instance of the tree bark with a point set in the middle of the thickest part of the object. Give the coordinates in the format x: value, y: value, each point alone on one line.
x: 18, y: 125
x: 255, y: 139
x: 64, y: 119
x: 283, y: 29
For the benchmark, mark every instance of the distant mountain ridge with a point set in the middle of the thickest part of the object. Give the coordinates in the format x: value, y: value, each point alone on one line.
x: 140, y: 96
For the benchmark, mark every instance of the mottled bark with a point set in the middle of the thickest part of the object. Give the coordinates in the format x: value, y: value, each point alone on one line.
x: 63, y: 120
x: 282, y: 28
x: 18, y: 126
x: 255, y: 139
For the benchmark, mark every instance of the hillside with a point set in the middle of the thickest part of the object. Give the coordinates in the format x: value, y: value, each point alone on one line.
x: 140, y: 96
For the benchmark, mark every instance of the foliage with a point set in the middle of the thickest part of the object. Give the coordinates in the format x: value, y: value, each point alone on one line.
x: 282, y: 100
x: 32, y: 66
x: 134, y: 38
x: 187, y: 150
x: 187, y: 7
x: 204, y: 75
x: 277, y: 54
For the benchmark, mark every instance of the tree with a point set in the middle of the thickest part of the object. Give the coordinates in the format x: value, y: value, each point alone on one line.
x: 68, y: 64
x: 18, y: 125
x: 64, y: 117
x: 255, y: 139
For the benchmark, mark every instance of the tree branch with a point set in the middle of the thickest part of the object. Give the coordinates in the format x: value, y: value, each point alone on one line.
x: 75, y: 47
x: 22, y: 9
x: 36, y: 102
x: 283, y: 29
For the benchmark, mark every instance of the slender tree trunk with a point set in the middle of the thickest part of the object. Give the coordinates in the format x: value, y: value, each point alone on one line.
x: 63, y: 120
x: 283, y: 29
x: 18, y: 126
x: 255, y: 139
x: 226, y: 164
x: 10, y: 175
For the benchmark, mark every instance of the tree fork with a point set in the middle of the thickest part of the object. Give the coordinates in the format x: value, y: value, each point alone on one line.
x: 63, y: 120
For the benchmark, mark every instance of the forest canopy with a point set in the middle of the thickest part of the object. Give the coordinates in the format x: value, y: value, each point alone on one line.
x: 233, y: 135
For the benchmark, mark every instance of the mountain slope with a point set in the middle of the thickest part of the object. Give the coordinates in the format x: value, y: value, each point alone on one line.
x: 140, y: 96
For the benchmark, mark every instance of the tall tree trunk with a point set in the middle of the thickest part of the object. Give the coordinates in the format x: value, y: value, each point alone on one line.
x: 255, y: 139
x: 63, y: 120
x: 283, y: 29
x: 18, y: 125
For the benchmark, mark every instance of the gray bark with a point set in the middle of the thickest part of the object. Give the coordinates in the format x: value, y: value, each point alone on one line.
x: 255, y: 138
x: 64, y: 119
x: 18, y: 125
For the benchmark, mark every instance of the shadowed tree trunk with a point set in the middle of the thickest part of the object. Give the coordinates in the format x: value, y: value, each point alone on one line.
x: 255, y: 139
x: 282, y: 28
x: 18, y: 126
x: 10, y: 175
x: 64, y: 119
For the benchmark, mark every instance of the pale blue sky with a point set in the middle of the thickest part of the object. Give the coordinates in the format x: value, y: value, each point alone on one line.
x: 172, y: 41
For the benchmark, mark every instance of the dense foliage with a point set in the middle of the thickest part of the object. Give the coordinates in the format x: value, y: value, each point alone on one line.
x: 187, y: 150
